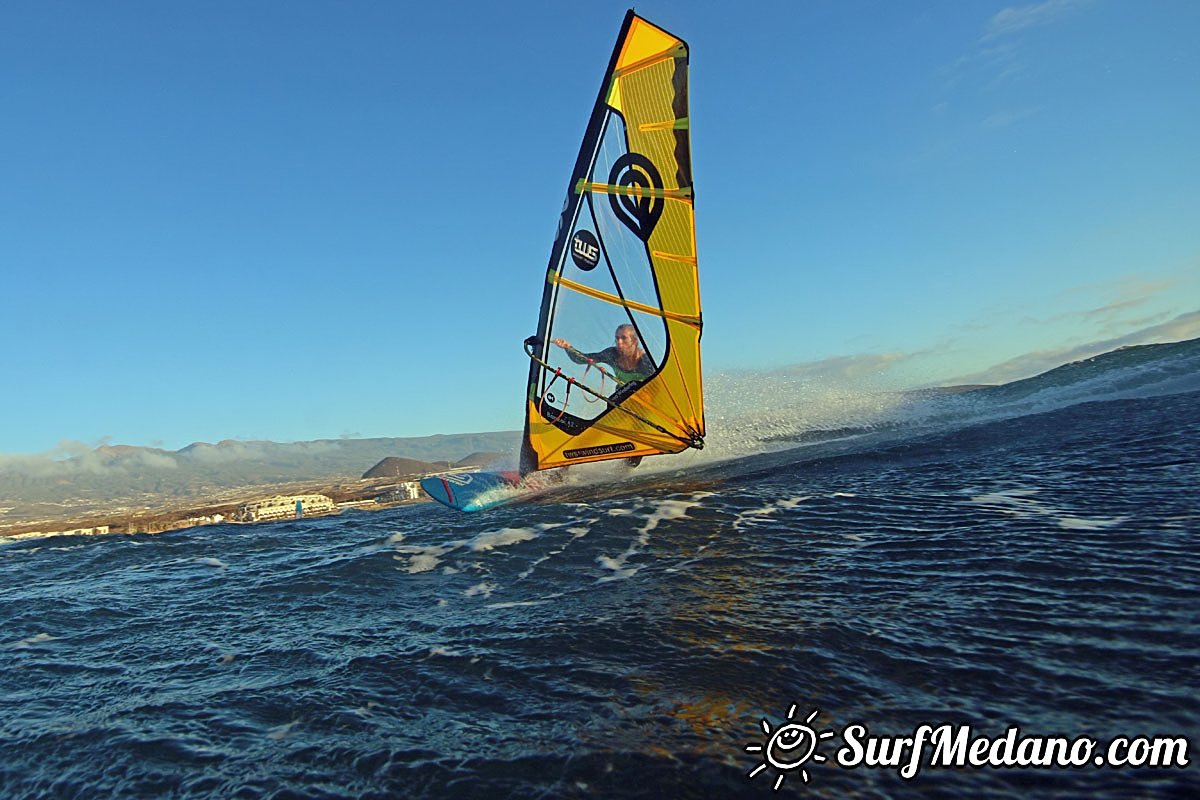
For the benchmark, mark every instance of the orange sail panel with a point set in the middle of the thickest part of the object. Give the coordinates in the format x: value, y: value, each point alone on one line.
x: 615, y: 364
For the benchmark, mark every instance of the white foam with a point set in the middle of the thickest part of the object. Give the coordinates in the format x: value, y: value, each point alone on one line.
x: 11, y: 553
x: 662, y: 511
x: 673, y: 509
x: 425, y: 559
x: 489, y: 541
x: 485, y: 589
x: 753, y: 514
x: 1075, y: 523
x: 617, y: 565
x: 39, y: 638
x: 518, y: 603
x: 759, y: 514
x: 576, y: 533
x: 793, y: 501
x: 1021, y: 503
x: 282, y: 731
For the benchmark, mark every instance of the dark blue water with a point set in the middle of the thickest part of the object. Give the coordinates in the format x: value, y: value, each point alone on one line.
x: 1027, y: 557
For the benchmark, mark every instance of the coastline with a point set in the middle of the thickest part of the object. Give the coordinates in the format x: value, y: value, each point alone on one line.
x: 147, y: 514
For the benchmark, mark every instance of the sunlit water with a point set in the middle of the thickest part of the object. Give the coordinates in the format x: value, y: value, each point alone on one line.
x: 1022, y: 566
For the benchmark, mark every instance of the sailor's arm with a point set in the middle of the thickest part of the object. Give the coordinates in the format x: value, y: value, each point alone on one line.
x: 572, y: 353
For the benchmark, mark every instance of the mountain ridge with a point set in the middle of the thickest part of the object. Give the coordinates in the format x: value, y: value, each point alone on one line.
x: 127, y: 475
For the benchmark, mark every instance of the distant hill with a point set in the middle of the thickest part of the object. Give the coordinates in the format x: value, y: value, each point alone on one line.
x: 484, y: 459
x: 113, y: 473
x: 392, y: 467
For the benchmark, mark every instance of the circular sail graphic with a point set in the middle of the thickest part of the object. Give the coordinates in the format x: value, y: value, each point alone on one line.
x: 585, y: 250
x: 639, y: 211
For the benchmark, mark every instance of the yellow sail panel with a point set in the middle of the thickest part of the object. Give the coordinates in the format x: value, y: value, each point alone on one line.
x: 623, y: 270
x: 643, y: 45
x: 644, y: 42
x: 649, y: 422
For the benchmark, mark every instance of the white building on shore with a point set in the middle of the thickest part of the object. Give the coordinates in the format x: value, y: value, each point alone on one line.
x: 284, y: 507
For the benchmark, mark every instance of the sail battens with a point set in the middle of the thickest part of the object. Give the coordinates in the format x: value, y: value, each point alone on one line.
x: 689, y: 260
x: 678, y: 51
x: 687, y: 319
x: 634, y: 190
x: 669, y: 125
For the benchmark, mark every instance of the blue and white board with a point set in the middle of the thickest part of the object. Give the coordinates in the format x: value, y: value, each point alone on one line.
x: 473, y: 491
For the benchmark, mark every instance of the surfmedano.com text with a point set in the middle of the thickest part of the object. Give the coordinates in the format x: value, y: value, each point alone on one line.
x: 955, y: 746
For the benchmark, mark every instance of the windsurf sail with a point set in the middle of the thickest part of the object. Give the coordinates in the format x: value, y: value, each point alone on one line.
x: 623, y: 267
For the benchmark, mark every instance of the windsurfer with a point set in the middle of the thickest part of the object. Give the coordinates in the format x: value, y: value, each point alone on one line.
x: 626, y: 357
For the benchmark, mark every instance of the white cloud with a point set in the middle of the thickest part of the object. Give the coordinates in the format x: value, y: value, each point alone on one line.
x: 1128, y: 295
x: 1015, y: 19
x: 39, y: 465
x: 231, y: 450
x: 997, y: 58
x: 1181, y: 328
x: 71, y: 457
x: 153, y: 460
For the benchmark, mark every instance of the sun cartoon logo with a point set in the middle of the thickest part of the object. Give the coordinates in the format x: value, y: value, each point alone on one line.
x: 788, y: 747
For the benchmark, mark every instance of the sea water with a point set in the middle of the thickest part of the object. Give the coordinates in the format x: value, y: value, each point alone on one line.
x: 1020, y: 557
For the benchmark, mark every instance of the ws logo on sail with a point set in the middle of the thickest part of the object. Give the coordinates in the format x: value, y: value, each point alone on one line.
x: 585, y: 250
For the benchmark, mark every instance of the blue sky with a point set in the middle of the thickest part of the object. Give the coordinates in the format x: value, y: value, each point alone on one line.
x: 301, y: 220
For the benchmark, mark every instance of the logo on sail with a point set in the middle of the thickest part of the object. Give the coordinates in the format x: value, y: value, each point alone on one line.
x: 637, y: 207
x: 585, y: 250
x: 601, y: 450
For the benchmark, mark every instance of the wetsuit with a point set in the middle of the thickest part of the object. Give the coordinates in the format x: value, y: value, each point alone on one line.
x: 610, y: 355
